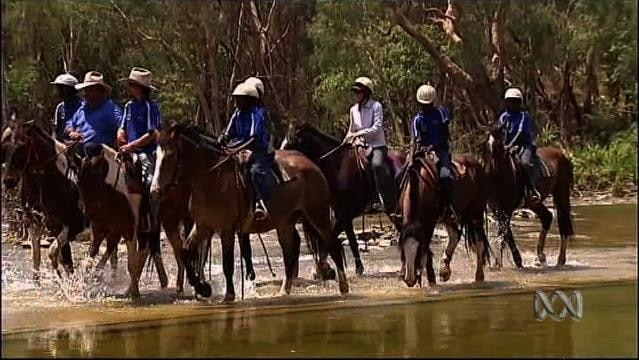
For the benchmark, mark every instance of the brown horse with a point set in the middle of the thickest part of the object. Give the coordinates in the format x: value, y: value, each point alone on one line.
x: 420, y: 204
x: 219, y: 202
x: 352, y: 188
x: 40, y: 161
x: 114, y: 211
x: 507, y: 180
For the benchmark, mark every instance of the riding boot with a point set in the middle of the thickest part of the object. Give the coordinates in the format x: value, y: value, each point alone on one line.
x: 533, y: 194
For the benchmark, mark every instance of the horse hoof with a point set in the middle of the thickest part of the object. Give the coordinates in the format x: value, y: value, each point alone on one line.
x: 343, y: 288
x: 164, y: 282
x: 359, y: 268
x: 479, y: 278
x: 444, y: 274
x: 228, y: 299
x: 250, y: 275
x: 203, y: 289
x: 330, y: 274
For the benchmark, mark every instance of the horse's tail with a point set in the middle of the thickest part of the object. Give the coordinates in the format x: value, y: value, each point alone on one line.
x: 561, y: 199
x: 476, y: 233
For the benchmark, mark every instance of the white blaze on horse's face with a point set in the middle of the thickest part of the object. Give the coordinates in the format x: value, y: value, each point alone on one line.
x: 491, y: 141
x: 155, y: 182
x: 284, y: 143
x: 410, y: 249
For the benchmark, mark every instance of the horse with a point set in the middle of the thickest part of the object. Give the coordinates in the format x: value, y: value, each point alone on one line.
x: 507, y: 193
x: 421, y: 208
x: 352, y: 188
x: 113, y: 207
x: 49, y: 185
x: 219, y: 202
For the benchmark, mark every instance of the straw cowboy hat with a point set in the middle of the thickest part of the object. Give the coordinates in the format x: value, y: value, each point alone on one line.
x: 93, y: 78
x: 140, y: 76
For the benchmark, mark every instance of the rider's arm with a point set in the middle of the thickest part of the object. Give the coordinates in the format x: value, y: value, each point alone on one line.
x: 378, y: 117
x: 231, y: 132
x: 520, y: 129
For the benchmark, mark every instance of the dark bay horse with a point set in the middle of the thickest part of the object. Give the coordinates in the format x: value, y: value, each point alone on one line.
x: 420, y: 204
x: 219, y: 202
x: 45, y: 168
x: 352, y: 188
x: 507, y: 183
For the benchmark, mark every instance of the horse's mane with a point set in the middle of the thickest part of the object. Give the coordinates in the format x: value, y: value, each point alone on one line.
x: 319, y: 133
x: 197, y: 135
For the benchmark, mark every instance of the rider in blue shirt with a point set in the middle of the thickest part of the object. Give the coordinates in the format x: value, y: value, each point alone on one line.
x: 519, y: 129
x: 248, y: 126
x: 71, y: 102
x: 430, y: 132
x: 98, y: 119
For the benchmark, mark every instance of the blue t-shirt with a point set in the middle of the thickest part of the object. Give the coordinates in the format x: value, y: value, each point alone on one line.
x: 246, y: 124
x: 139, y: 118
x: 431, y: 128
x: 98, y: 125
x: 63, y: 113
x: 518, y: 122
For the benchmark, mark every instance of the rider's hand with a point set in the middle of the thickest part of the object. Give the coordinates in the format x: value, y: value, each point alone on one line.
x: 74, y: 135
x: 223, y: 139
x: 349, y: 137
x: 127, y: 148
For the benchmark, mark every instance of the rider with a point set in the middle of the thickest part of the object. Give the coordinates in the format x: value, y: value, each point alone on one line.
x: 430, y: 133
x: 71, y: 102
x: 141, y: 121
x: 366, y: 120
x: 520, y: 131
x: 248, y: 127
x: 98, y: 119
x: 138, y: 130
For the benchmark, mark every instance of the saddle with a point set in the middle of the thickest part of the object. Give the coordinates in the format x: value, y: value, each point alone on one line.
x: 540, y: 163
x: 277, y: 170
x: 459, y: 170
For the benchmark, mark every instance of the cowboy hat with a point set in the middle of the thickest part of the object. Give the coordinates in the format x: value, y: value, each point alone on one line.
x: 140, y: 76
x: 93, y: 78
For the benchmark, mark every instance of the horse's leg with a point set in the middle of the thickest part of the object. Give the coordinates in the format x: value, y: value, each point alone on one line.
x: 112, y: 248
x: 347, y: 226
x: 545, y: 216
x: 35, y: 255
x: 64, y: 251
x: 189, y: 254
x: 135, y: 262
x: 481, y: 247
x: 447, y: 256
x: 328, y: 240
x: 228, y: 263
x: 430, y: 271
x: 173, y: 234
x: 53, y: 255
x: 247, y: 254
x: 291, y: 252
x: 510, y: 240
x: 156, y: 253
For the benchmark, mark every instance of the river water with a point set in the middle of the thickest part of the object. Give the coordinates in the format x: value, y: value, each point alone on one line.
x: 380, y: 317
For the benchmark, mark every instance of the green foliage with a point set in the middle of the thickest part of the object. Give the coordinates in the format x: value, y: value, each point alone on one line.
x: 612, y: 165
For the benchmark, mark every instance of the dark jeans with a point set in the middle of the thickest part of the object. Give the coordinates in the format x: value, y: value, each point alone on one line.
x: 529, y: 161
x: 147, y: 161
x: 383, y: 177
x: 260, y: 165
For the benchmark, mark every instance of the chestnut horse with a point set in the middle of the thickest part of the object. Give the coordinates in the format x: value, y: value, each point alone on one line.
x: 219, y: 202
x: 507, y: 184
x: 421, y: 209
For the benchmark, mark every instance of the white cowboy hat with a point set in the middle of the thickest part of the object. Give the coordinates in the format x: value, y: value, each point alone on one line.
x: 66, y: 80
x: 259, y: 85
x: 426, y: 94
x: 244, y: 89
x: 140, y: 76
x: 363, y: 81
x: 93, y: 78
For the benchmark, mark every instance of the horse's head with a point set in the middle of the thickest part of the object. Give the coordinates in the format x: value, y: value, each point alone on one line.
x: 94, y: 169
x: 412, y: 252
x: 178, y: 145
x: 493, y: 148
x: 308, y: 140
x: 18, y: 151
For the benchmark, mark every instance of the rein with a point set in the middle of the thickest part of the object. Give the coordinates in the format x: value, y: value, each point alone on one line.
x: 333, y: 150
